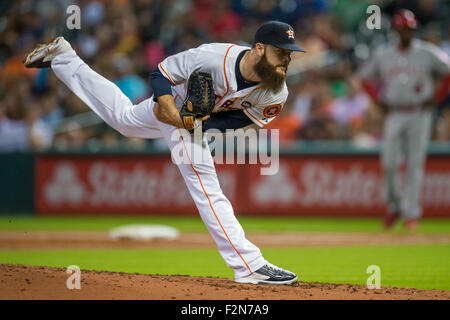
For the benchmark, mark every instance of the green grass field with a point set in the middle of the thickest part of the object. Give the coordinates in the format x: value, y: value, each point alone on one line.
x: 195, y: 224
x: 416, y: 266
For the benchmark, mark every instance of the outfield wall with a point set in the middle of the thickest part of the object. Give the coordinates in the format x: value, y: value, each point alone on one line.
x: 307, y: 184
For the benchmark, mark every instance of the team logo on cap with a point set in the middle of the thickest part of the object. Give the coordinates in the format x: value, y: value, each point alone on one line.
x: 290, y: 33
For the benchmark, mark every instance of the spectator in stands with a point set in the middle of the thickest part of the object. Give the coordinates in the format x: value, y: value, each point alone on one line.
x: 443, y: 126
x: 350, y: 108
x: 134, y: 35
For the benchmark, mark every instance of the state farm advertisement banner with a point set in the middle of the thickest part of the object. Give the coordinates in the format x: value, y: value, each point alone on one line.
x: 303, y: 186
x: 116, y: 184
x: 340, y: 186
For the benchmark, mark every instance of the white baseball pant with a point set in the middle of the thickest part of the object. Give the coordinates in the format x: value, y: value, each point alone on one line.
x: 405, y: 133
x: 108, y: 102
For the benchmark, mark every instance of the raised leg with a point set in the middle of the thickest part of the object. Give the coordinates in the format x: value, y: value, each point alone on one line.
x: 105, y: 98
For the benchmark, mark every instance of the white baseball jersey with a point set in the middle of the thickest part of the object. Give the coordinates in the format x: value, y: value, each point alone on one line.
x: 219, y: 59
x: 109, y: 102
x: 407, y: 76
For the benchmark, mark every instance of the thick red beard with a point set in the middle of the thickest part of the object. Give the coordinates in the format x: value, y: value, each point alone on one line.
x: 270, y: 78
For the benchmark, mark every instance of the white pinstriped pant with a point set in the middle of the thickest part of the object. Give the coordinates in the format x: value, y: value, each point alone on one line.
x: 108, y: 102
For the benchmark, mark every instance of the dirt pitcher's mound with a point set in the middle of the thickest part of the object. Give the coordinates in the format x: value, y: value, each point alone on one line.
x: 32, y: 282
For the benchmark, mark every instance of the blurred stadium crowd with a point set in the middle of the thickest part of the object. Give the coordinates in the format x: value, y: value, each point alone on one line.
x: 124, y: 40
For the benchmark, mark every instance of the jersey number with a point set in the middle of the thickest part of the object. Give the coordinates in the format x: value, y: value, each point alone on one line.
x: 227, y: 104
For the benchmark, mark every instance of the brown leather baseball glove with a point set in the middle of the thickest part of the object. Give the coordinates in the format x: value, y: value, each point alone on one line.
x: 199, y: 100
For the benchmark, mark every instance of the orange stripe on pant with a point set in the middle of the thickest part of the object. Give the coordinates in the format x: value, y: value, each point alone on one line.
x: 210, y: 204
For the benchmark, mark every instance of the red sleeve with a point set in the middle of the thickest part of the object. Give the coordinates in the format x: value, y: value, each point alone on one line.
x: 370, y: 89
x: 442, y: 91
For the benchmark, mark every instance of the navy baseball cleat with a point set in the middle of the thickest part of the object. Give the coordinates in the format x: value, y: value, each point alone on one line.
x: 43, y: 54
x: 269, y: 274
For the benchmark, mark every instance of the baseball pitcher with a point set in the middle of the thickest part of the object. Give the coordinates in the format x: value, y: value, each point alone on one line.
x: 226, y: 86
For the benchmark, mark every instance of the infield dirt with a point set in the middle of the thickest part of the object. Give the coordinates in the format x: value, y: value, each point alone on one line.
x: 33, y: 282
x: 38, y: 282
x: 14, y: 240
